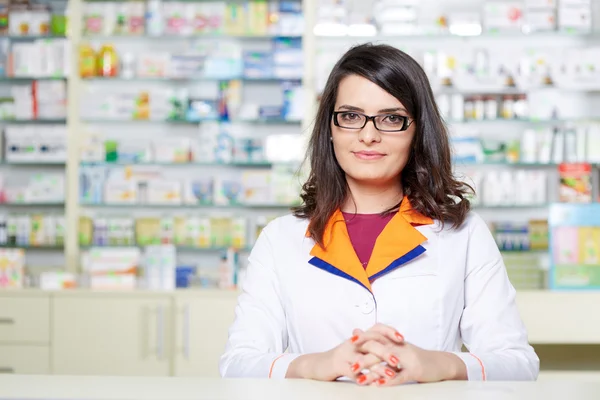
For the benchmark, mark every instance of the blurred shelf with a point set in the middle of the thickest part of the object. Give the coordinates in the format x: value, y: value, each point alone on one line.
x: 174, y: 164
x: 189, y: 37
x: 513, y: 206
x: 33, y: 163
x: 33, y: 121
x: 43, y: 204
x: 186, y: 122
x: 525, y: 252
x: 504, y: 163
x: 484, y: 35
x: 23, y: 38
x: 27, y: 79
x: 187, y: 206
x: 523, y: 121
x: 32, y: 247
x: 179, y: 248
x: 191, y: 79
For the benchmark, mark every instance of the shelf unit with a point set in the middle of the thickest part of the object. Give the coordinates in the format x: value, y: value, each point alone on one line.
x: 312, y: 46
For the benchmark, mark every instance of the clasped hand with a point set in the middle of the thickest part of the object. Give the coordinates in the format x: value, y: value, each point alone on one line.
x: 380, y: 356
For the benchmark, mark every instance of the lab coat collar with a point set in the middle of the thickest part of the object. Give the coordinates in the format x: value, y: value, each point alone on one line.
x: 398, y: 243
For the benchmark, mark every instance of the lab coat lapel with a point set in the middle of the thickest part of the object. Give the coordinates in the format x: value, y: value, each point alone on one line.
x: 399, y: 243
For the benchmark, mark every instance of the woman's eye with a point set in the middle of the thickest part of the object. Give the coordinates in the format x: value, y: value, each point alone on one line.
x: 393, y: 119
x: 349, y: 116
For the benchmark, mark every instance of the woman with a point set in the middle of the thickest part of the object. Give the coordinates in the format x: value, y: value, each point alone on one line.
x: 383, y: 273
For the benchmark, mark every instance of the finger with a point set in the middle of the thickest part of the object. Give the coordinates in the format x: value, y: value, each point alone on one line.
x: 368, y: 335
x: 387, y: 354
x: 384, y: 372
x: 388, y: 331
x: 368, y: 378
x: 362, y: 363
x: 376, y: 349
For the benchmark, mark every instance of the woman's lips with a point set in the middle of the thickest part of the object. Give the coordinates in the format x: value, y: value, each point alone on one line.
x: 368, y: 155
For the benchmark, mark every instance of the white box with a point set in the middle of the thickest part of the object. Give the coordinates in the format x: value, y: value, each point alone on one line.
x: 503, y: 16
x: 541, y: 3
x: 576, y: 17
x: 164, y: 192
x: 120, y: 192
x: 540, y: 20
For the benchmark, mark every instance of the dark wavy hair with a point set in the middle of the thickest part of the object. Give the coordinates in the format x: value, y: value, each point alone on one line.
x: 427, y: 178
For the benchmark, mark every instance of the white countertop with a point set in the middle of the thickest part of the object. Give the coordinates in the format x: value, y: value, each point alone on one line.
x: 23, y: 387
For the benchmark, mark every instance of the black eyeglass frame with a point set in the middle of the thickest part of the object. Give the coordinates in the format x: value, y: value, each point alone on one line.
x: 405, y: 124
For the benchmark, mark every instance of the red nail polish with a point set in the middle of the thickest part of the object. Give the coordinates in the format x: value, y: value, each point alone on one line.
x: 399, y: 336
x: 381, y: 381
x: 361, y: 379
x: 394, y: 360
x: 355, y: 367
x: 389, y: 373
x: 354, y: 339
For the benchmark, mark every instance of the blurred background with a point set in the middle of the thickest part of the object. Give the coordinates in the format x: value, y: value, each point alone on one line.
x: 145, y: 144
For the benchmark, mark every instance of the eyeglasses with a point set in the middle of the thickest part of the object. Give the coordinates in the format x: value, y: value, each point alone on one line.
x: 382, y: 122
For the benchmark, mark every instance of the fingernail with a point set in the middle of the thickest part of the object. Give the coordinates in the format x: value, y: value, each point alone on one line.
x: 390, y: 373
x: 361, y: 379
x: 381, y: 381
x: 354, y: 339
x: 399, y: 336
x: 355, y: 367
x: 394, y: 360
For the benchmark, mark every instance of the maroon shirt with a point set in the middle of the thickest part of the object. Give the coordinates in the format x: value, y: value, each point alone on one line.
x: 364, y: 229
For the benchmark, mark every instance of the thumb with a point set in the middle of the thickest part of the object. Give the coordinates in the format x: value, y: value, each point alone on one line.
x: 357, y: 332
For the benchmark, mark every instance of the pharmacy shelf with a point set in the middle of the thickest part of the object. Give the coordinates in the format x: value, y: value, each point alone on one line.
x: 525, y: 252
x: 509, y: 206
x: 32, y: 247
x: 33, y: 121
x: 21, y: 38
x: 44, y: 204
x: 264, y: 121
x: 33, y: 163
x: 522, y: 121
x: 186, y: 164
x: 509, y: 35
x: 178, y: 248
x: 507, y: 164
x: 246, y: 79
x: 187, y: 206
x: 27, y: 79
x: 188, y: 37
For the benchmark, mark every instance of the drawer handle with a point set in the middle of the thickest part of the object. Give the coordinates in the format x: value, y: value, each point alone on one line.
x: 7, y: 321
x: 6, y: 370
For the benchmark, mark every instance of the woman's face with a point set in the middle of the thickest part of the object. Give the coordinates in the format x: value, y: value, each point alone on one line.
x: 367, y: 155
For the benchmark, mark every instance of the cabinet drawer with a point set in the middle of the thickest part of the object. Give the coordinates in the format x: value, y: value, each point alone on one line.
x: 21, y: 359
x: 25, y: 320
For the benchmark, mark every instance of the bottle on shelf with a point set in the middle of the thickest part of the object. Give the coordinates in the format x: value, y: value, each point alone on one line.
x: 107, y: 61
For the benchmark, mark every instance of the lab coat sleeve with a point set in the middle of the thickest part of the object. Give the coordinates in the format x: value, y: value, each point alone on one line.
x: 258, y: 337
x: 491, y: 327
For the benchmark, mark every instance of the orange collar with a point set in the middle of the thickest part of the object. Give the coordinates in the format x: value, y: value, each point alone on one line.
x: 398, y: 243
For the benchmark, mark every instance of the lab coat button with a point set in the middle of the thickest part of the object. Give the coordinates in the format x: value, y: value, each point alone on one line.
x: 367, y: 307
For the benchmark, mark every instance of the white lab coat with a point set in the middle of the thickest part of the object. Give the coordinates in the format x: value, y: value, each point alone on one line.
x: 443, y: 288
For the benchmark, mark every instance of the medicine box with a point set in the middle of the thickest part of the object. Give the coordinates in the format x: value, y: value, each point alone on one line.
x: 575, y: 246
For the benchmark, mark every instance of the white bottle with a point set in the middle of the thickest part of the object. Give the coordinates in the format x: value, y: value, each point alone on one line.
x: 155, y: 18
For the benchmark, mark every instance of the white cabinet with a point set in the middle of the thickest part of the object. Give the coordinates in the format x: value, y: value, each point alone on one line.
x: 24, y: 333
x: 24, y: 319
x: 24, y: 359
x: 95, y: 334
x: 201, y: 324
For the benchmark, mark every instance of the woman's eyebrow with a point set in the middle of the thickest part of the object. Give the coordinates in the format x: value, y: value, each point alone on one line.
x: 394, y: 109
